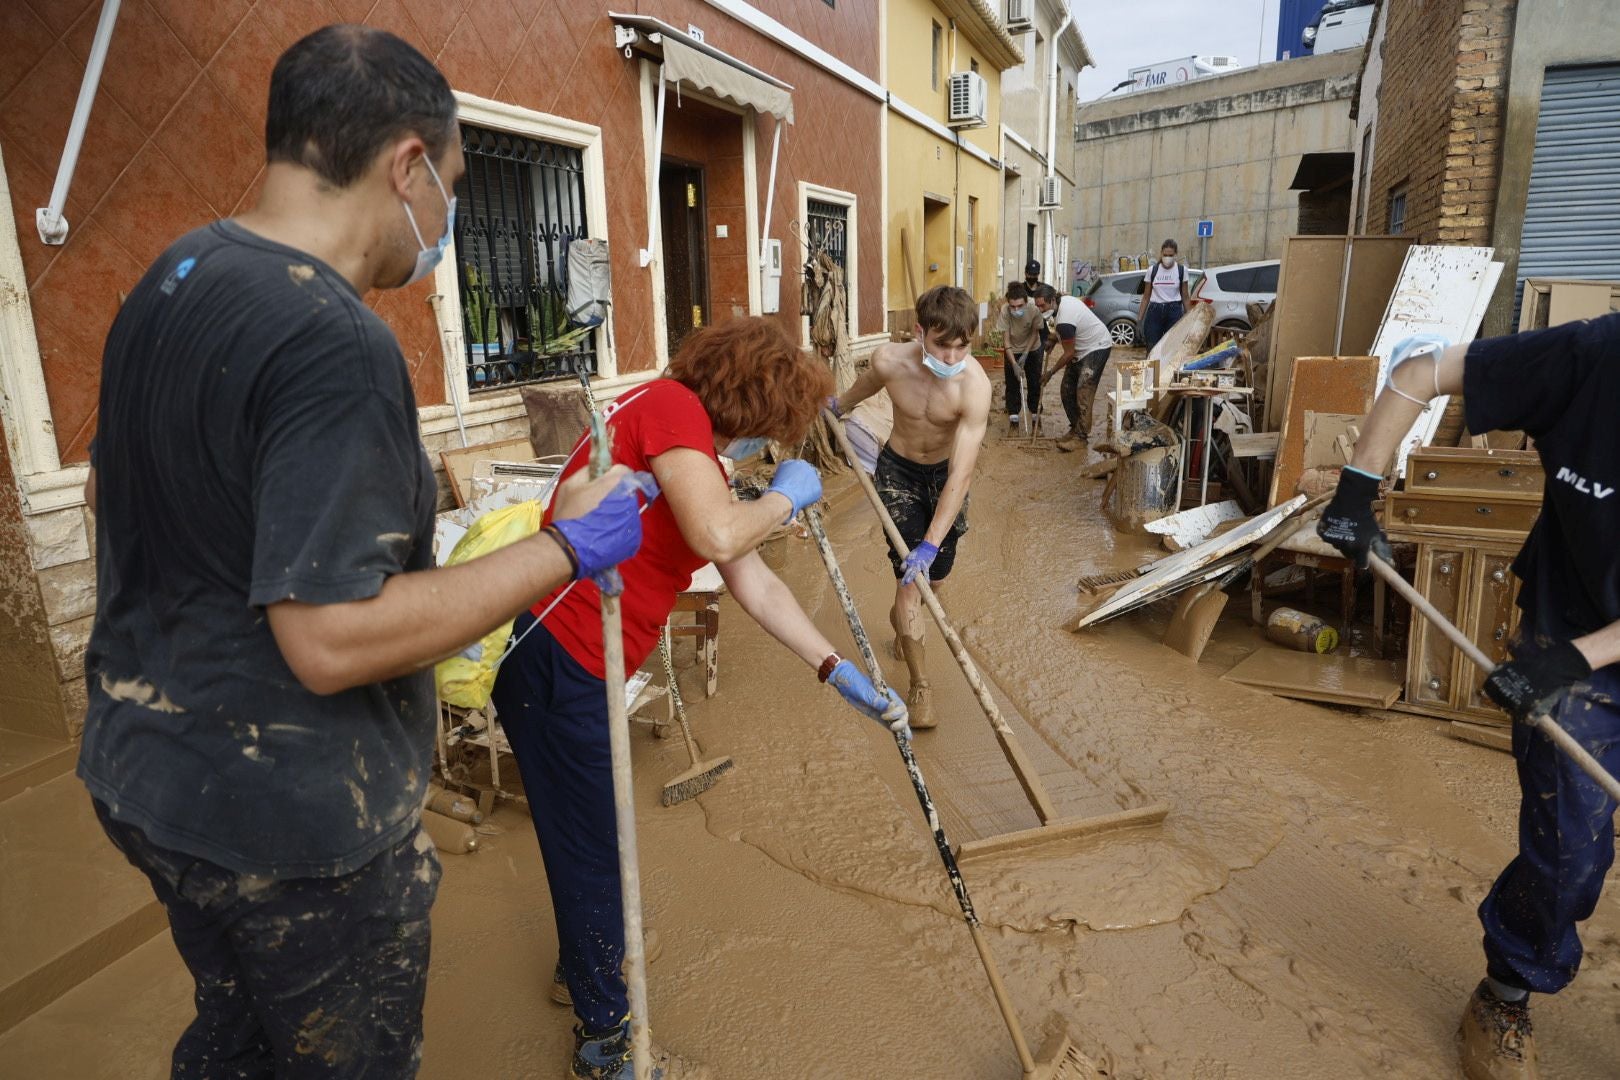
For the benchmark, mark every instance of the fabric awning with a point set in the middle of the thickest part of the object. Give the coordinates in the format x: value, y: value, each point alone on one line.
x: 700, y: 71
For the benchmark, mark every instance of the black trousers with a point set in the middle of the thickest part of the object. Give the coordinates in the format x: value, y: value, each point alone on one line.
x: 301, y: 977
x: 1031, y: 363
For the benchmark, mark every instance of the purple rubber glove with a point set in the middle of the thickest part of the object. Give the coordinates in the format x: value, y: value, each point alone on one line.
x: 917, y: 563
x: 799, y: 481
x: 832, y: 406
x: 886, y: 707
x: 610, y: 533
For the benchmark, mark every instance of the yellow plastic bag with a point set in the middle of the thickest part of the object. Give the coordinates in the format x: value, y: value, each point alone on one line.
x: 467, y: 678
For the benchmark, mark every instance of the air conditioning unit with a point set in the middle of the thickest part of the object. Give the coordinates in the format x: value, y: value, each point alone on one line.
x: 970, y: 99
x: 1018, y: 17
x: 1051, y: 191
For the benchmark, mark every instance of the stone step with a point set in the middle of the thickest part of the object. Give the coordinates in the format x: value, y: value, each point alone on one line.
x: 69, y: 902
x: 119, y: 1025
x: 27, y: 760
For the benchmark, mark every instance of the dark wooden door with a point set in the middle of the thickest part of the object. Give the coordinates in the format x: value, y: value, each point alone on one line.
x: 686, y: 258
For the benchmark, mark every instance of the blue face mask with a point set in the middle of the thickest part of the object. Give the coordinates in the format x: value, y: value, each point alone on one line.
x: 743, y: 448
x: 428, y: 257
x: 940, y: 367
x: 1018, y: 312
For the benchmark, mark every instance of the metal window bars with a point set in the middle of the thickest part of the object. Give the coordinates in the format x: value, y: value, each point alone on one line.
x: 828, y: 230
x: 521, y: 202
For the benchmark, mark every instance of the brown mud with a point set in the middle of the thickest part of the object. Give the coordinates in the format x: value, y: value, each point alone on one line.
x: 1305, y: 911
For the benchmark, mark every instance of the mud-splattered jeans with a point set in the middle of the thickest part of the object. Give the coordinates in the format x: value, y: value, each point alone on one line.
x: 301, y: 977
x: 1566, y: 842
x: 1080, y: 381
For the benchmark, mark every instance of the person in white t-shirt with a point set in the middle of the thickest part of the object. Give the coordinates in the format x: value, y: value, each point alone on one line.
x: 1085, y: 345
x: 1165, y: 298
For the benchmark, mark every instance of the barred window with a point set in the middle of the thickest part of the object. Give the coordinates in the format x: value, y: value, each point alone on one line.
x: 520, y: 204
x: 829, y: 231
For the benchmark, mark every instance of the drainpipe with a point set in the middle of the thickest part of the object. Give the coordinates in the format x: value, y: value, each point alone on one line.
x: 653, y: 207
x: 1051, y: 132
x: 53, y: 227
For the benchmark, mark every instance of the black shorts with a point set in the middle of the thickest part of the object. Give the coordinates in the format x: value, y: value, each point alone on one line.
x: 911, y: 493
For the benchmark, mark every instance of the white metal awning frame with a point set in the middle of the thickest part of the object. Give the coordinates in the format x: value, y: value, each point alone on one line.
x: 683, y: 58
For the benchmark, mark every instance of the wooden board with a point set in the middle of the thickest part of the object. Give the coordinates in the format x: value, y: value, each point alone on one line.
x: 1323, y: 430
x: 1307, y: 316
x: 1444, y: 290
x: 1184, y: 568
x: 1194, y: 526
x: 1335, y: 678
x: 1573, y: 300
x: 1493, y: 737
x: 458, y: 463
x: 1258, y: 445
x: 1334, y: 384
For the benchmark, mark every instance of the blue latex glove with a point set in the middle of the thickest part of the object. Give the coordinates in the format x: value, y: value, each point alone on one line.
x: 1406, y: 348
x: 799, y: 481
x: 917, y: 563
x: 886, y: 708
x: 610, y: 533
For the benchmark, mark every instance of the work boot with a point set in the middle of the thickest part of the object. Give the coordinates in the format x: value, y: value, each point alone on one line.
x: 1071, y: 442
x: 607, y: 1057
x: 920, y: 699
x: 653, y: 943
x: 1497, y: 1043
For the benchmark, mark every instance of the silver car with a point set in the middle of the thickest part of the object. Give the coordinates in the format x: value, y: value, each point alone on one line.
x: 1116, y: 298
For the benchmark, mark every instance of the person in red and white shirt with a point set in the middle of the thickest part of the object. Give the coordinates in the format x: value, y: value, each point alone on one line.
x: 729, y: 390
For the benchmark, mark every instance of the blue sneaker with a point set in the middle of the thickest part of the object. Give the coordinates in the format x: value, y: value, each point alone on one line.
x: 607, y: 1057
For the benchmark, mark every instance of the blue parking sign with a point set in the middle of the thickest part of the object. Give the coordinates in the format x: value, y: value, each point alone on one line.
x: 1206, y: 228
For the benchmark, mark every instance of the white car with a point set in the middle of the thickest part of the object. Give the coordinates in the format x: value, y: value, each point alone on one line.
x: 1233, y: 288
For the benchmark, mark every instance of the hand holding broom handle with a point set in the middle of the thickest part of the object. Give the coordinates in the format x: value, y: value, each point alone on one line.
x: 863, y: 643
x: 624, y: 803
x: 1546, y: 724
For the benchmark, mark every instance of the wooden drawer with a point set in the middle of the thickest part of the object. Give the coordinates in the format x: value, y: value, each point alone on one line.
x: 1493, y: 616
x: 1492, y: 471
x: 1452, y: 513
x: 1442, y: 578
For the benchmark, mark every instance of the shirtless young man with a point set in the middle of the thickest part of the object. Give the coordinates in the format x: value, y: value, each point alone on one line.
x: 941, y: 409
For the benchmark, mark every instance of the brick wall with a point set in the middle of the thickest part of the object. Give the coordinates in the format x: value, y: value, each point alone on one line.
x: 1414, y: 113
x: 1440, y: 117
x: 1473, y: 147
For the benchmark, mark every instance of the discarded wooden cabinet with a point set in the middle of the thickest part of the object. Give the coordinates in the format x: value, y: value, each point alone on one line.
x: 1468, y: 511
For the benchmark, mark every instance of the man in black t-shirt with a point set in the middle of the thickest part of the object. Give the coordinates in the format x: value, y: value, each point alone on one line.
x: 1562, y: 386
x: 261, y: 712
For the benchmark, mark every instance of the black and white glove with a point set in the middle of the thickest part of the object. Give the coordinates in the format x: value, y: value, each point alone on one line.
x: 1348, y: 523
x: 1535, y: 685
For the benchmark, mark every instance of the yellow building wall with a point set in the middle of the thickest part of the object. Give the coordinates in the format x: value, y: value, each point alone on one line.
x: 926, y: 167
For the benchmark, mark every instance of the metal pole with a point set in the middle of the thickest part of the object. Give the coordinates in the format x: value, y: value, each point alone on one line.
x: 53, y: 228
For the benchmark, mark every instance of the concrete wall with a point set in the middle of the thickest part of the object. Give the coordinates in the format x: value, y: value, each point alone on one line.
x: 1546, y: 33
x: 1226, y: 148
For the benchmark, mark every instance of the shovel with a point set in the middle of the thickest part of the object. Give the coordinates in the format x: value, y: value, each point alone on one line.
x: 1200, y: 608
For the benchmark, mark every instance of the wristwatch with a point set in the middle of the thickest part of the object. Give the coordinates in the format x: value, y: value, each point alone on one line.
x: 827, y: 665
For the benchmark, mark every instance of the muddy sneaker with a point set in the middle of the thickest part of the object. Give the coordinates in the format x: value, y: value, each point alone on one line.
x: 607, y: 1057
x: 1497, y: 1043
x: 559, y: 985
x: 1071, y: 442
x: 1012, y: 423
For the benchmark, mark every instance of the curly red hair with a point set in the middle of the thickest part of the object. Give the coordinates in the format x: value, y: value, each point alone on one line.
x: 753, y: 380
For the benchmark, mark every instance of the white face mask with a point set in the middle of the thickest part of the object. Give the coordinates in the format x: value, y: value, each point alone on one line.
x: 428, y: 257
x: 744, y: 447
x: 1167, y: 260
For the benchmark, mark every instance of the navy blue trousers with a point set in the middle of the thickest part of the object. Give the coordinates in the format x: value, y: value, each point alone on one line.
x: 1160, y: 318
x: 1566, y: 843
x: 555, y: 716
x: 297, y: 978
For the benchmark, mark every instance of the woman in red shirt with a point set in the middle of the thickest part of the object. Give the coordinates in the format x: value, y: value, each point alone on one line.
x: 729, y: 390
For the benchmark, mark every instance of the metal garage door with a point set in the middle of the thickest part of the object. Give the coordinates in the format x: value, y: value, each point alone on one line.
x: 1572, y: 217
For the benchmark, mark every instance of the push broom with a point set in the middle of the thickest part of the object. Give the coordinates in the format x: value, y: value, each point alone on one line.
x: 1051, y: 827
x: 1059, y: 1059
x: 703, y: 775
